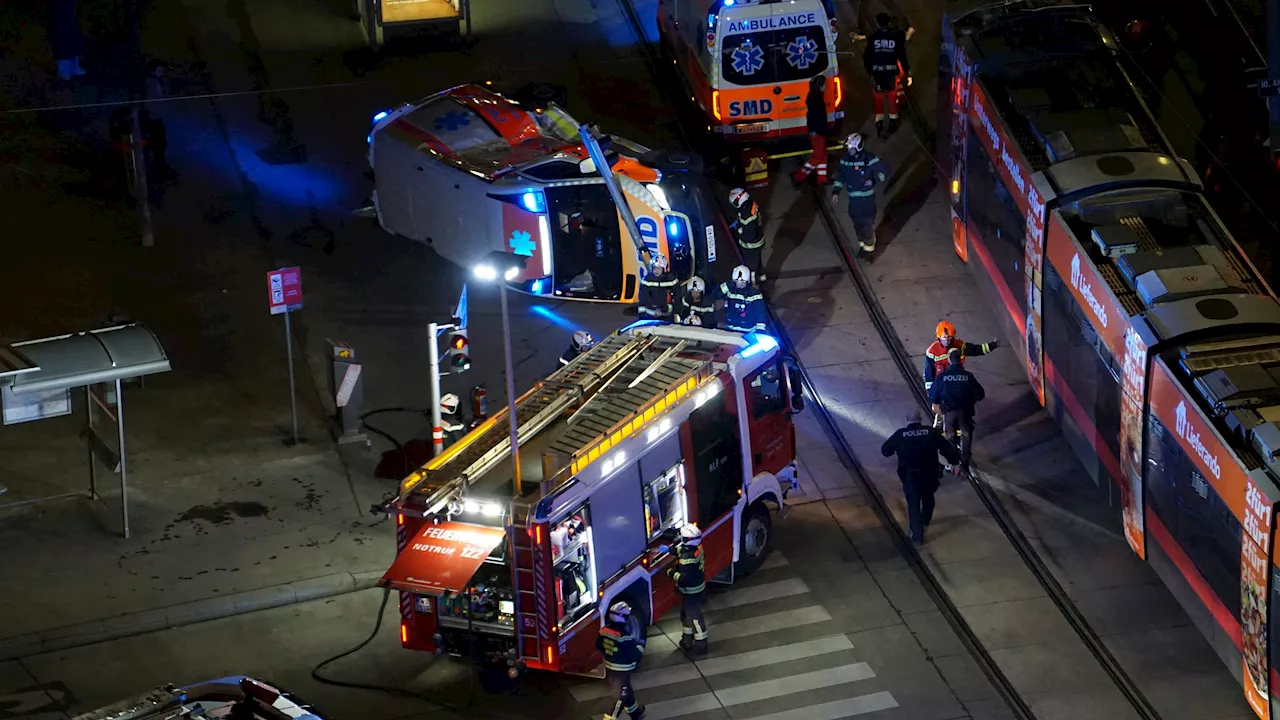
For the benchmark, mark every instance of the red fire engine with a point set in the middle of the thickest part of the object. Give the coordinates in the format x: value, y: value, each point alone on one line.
x: 656, y: 426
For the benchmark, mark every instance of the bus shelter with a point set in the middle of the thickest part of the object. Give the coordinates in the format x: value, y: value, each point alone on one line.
x: 37, y: 377
x: 384, y: 19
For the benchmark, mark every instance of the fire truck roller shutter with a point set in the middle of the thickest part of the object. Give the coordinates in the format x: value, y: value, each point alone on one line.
x: 617, y: 521
x: 660, y: 458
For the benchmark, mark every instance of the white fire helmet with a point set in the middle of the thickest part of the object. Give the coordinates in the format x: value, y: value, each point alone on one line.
x: 583, y: 341
x: 741, y: 275
x: 690, y: 534
x: 449, y: 404
x: 619, y: 612
x: 659, y: 261
x: 697, y: 284
x: 853, y: 143
x: 693, y: 320
x: 738, y: 197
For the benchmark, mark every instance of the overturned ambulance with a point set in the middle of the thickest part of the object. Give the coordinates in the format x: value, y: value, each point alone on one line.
x: 469, y: 171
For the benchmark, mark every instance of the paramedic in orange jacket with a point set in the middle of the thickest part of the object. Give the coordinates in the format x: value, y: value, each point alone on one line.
x: 935, y: 358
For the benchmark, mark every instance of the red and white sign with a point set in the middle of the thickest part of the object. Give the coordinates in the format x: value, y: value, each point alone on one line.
x: 443, y: 557
x: 348, y: 385
x: 284, y: 290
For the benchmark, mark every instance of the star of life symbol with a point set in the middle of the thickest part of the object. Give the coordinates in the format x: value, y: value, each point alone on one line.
x: 802, y: 52
x: 748, y: 58
x: 521, y: 243
x: 452, y: 120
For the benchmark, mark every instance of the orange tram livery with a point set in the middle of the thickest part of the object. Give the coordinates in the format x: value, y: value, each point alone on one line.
x: 1143, y: 328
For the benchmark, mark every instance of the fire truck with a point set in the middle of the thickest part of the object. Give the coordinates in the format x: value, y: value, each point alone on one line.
x: 656, y: 426
x: 468, y: 171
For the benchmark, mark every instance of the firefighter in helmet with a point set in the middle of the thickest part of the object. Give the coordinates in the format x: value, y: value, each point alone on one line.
x: 743, y: 303
x: 450, y: 421
x: 936, y: 359
x: 747, y: 229
x: 582, y: 342
x: 690, y: 574
x: 858, y: 174
x: 622, y: 643
x: 697, y: 306
x: 656, y: 290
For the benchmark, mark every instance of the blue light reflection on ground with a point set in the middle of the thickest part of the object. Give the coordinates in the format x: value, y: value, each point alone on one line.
x: 304, y: 184
x: 553, y: 316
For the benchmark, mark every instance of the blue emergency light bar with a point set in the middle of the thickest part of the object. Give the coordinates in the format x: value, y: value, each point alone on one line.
x: 759, y: 343
x: 533, y: 201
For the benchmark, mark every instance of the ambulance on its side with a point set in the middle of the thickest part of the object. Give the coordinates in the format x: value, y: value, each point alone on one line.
x: 747, y: 63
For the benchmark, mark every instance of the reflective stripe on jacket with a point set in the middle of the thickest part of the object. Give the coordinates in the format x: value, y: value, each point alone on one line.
x: 859, y: 173
x: 622, y: 652
x: 935, y: 358
x: 690, y: 571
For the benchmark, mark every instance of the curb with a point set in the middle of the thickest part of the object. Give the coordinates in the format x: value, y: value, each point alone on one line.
x: 188, y: 613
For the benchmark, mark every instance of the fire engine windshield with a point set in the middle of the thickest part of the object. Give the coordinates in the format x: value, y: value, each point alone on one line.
x: 774, y: 56
x: 586, y: 241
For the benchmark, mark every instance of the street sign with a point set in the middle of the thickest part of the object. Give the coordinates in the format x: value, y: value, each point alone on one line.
x: 284, y: 290
x: 461, y: 312
x: 1269, y: 87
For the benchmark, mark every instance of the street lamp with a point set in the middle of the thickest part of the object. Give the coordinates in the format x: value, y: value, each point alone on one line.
x: 496, y: 265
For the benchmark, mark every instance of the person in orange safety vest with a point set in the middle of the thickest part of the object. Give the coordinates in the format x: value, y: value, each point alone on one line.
x: 935, y: 358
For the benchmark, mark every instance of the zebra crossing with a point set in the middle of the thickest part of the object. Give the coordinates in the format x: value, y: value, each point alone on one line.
x: 815, y: 678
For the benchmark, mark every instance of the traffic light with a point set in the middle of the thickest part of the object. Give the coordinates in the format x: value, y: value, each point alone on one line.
x: 459, y: 355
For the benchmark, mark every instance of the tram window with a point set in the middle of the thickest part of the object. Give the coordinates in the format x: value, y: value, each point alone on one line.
x: 1002, y: 228
x: 717, y: 463
x: 1194, y: 514
x: 1084, y: 363
x: 765, y: 391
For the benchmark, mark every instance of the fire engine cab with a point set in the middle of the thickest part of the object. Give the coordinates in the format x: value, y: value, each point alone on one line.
x: 656, y: 426
x: 469, y: 171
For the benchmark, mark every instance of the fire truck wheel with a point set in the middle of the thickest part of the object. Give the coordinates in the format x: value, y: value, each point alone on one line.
x: 757, y: 533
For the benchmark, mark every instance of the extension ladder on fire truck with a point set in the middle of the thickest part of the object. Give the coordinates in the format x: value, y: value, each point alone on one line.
x: 524, y: 581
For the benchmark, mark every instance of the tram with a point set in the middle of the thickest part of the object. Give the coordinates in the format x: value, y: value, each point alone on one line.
x: 1143, y: 328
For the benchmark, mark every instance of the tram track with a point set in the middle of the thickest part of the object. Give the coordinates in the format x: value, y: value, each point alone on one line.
x: 660, y: 69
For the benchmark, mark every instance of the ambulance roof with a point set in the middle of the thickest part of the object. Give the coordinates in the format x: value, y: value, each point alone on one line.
x: 480, y: 131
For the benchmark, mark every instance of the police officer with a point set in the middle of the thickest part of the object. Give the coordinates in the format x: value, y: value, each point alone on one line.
x: 917, y: 448
x: 622, y: 643
x: 450, y: 421
x: 690, y: 574
x: 815, y: 120
x: 935, y: 358
x: 656, y: 290
x: 886, y: 62
x: 743, y: 303
x: 582, y: 342
x: 696, y: 307
x: 859, y: 173
x: 954, y: 395
x: 748, y: 231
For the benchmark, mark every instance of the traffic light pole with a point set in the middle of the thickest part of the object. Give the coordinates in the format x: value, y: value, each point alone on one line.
x: 437, y: 424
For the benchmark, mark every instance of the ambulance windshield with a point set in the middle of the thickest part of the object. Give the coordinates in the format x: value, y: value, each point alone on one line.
x: 771, y: 50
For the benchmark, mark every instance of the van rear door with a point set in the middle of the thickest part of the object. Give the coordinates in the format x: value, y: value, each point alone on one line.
x: 768, y: 55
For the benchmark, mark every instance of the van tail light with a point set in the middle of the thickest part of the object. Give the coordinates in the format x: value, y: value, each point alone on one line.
x: 715, y: 104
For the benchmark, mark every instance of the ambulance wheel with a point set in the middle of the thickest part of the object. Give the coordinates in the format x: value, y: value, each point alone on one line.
x: 754, y: 539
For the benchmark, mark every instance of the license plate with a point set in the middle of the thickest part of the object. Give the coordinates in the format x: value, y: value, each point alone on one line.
x: 753, y: 128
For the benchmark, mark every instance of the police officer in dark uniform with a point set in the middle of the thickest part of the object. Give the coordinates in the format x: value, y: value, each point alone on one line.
x: 954, y: 394
x: 690, y: 574
x: 697, y: 306
x: 917, y: 447
x: 743, y: 303
x: 657, y: 289
x: 886, y: 62
x: 858, y: 173
x: 622, y: 643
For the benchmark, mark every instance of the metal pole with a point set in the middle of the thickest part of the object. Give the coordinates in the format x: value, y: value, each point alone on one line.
x: 293, y: 398
x: 511, y: 394
x: 141, y: 192
x: 611, y: 182
x: 437, y: 425
x: 88, y: 423
x: 124, y: 464
x: 1273, y: 70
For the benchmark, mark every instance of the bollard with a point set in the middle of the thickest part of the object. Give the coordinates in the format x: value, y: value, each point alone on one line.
x: 346, y: 387
x: 755, y: 167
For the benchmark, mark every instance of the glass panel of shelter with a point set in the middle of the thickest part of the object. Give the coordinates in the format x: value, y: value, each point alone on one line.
x: 573, y: 563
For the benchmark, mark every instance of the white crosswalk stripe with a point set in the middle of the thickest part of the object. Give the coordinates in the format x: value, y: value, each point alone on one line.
x: 821, y: 668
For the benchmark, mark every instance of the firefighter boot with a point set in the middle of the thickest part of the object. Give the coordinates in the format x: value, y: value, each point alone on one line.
x: 880, y: 130
x: 686, y: 643
x: 638, y: 713
x: 699, y: 648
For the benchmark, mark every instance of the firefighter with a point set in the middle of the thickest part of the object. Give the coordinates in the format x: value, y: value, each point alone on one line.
x: 697, y: 307
x: 859, y: 173
x: 582, y: 342
x: 935, y: 358
x: 954, y: 394
x: 656, y: 290
x: 623, y: 646
x: 747, y: 228
x: 450, y: 422
x: 743, y: 303
x: 886, y: 62
x: 816, y: 122
x: 690, y: 574
x: 917, y: 448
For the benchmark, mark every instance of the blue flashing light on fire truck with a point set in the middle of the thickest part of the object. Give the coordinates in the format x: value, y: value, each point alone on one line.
x: 656, y: 426
x: 1144, y: 329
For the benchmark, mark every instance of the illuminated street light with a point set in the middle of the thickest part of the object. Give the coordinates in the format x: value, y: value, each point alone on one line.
x: 507, y: 266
